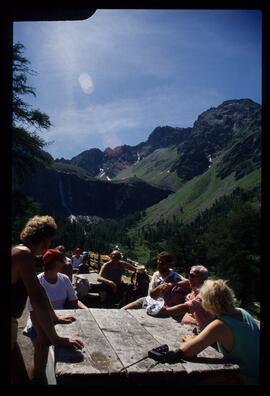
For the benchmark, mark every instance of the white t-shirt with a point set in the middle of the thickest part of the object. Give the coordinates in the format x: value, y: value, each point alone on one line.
x: 157, y: 279
x: 57, y: 292
x: 76, y: 261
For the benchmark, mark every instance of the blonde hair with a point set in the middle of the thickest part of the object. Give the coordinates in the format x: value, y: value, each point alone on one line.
x: 37, y: 229
x: 217, y: 297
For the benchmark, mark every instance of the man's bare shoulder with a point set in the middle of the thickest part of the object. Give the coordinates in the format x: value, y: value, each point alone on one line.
x: 105, y: 266
x: 20, y: 251
x: 22, y: 262
x: 21, y: 254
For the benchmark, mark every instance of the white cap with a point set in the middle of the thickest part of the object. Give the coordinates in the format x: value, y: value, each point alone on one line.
x: 154, y: 309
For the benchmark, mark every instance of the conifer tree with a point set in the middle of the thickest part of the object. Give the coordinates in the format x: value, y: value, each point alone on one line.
x: 27, y: 145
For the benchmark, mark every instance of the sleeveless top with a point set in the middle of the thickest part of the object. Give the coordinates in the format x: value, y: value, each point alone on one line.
x: 18, y: 299
x: 114, y: 274
x: 246, y: 348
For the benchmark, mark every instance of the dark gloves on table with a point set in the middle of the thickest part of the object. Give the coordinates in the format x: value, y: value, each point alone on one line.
x: 175, y: 356
x: 163, y: 355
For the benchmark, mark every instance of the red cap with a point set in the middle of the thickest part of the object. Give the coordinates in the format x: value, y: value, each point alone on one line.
x: 51, y: 255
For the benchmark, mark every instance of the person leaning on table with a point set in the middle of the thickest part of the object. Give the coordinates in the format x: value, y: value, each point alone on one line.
x: 233, y: 329
x: 36, y: 237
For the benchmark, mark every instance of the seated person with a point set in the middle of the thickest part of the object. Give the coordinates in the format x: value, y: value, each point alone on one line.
x: 234, y: 330
x: 140, y: 282
x: 164, y: 283
x: 76, y: 260
x: 84, y: 267
x: 67, y: 267
x: 138, y: 287
x: 59, y: 291
x: 191, y: 311
x: 110, y: 276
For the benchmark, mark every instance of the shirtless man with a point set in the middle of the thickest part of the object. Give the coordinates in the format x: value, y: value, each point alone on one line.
x: 110, y: 277
x: 36, y: 238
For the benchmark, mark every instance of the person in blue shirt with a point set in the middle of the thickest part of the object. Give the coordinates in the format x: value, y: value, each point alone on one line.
x: 235, y: 331
x: 162, y: 283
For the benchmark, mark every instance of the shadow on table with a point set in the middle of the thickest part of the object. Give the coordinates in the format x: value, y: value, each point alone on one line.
x: 68, y: 355
x: 206, y: 360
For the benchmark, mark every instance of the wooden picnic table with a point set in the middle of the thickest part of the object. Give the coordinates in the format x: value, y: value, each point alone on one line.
x: 115, y: 338
x: 91, y: 277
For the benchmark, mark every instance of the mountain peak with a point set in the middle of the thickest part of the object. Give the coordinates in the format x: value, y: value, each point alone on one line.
x: 166, y: 136
x: 113, y: 152
x: 244, y: 101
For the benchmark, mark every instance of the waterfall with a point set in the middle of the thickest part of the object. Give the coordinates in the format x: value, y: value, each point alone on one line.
x: 210, y: 160
x: 138, y: 158
x: 62, y: 195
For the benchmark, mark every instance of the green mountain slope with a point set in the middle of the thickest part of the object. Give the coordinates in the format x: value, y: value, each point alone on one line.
x: 155, y: 169
x: 197, y: 195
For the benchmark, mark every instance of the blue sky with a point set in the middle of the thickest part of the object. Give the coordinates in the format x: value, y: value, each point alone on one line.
x: 113, y: 78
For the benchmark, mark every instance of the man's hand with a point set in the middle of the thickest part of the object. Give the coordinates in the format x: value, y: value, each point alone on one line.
x: 113, y: 286
x: 69, y: 342
x: 65, y: 319
x: 164, y: 287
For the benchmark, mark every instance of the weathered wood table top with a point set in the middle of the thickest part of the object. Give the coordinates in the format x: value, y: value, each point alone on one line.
x: 92, y: 277
x: 115, y: 338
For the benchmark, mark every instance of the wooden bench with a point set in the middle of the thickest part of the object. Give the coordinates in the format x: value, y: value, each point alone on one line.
x: 116, y: 338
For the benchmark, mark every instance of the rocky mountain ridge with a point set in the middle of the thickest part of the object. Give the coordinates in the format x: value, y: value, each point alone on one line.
x: 126, y: 178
